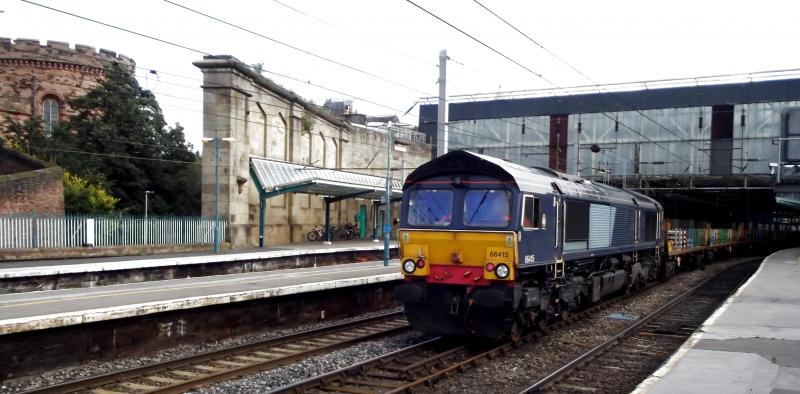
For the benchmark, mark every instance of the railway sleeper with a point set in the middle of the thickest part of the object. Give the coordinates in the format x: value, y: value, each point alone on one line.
x: 163, y: 380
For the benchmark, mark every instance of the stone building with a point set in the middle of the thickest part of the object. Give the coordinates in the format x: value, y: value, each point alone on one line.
x: 38, y: 80
x: 269, y: 121
x: 28, y: 185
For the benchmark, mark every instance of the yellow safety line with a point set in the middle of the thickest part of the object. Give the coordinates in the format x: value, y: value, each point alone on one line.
x: 151, y: 290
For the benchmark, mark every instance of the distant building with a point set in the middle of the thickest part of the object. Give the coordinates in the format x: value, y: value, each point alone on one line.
x: 271, y: 122
x: 39, y: 80
x: 713, y: 144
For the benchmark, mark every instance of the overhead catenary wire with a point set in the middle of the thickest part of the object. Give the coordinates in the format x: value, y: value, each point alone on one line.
x: 206, y: 53
x: 309, y: 53
x: 235, y: 26
x: 621, y: 100
x: 460, y: 130
x: 478, y: 41
x: 227, y: 116
x: 532, y: 72
x: 322, y: 21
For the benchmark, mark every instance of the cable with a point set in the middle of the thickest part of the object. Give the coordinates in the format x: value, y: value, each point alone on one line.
x: 478, y: 41
x: 539, y: 75
x: 425, y: 62
x: 204, y: 52
x: 196, y: 162
x: 530, y: 39
x: 311, y: 53
x: 582, y: 74
x: 115, y: 27
x: 327, y: 59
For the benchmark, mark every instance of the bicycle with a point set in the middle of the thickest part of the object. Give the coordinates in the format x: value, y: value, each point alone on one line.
x: 316, y: 234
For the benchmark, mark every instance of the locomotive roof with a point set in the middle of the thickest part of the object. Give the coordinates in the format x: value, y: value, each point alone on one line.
x: 532, y: 180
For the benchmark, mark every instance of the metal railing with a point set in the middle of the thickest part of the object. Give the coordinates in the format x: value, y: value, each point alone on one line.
x: 74, y: 231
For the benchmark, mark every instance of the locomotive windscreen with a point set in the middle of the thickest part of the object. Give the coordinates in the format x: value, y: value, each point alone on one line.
x: 487, y: 208
x: 430, y: 207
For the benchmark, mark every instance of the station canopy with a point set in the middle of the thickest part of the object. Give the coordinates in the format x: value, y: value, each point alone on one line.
x: 274, y: 177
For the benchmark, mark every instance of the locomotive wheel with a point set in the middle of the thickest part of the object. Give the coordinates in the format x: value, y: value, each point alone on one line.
x: 516, y: 331
x: 541, y: 324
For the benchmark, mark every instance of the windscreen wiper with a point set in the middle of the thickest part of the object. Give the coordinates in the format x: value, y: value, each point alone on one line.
x: 483, y: 199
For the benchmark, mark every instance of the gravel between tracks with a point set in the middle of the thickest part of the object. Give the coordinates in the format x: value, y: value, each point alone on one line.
x: 267, y: 380
x: 505, y: 374
x: 97, y: 368
x: 522, y: 367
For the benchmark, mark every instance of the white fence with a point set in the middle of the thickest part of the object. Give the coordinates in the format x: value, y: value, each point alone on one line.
x: 73, y: 231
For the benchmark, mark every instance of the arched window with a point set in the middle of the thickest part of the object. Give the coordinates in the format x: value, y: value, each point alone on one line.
x: 50, y: 112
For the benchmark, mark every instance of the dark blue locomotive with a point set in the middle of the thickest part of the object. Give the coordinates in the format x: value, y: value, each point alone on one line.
x: 489, y: 247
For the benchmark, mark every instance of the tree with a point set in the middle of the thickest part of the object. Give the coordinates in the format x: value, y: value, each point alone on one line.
x: 119, y: 140
x: 80, y: 196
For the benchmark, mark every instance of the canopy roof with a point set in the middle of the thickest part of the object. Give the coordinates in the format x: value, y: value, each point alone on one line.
x: 274, y: 177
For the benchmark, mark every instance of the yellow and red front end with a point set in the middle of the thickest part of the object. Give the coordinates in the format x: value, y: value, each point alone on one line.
x: 458, y: 282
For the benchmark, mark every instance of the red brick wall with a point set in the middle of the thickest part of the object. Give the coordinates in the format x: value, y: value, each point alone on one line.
x: 40, y: 191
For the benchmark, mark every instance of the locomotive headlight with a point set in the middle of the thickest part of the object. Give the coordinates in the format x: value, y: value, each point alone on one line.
x: 409, y: 266
x: 501, y: 271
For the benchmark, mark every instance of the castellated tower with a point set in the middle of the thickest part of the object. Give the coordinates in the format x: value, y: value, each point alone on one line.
x: 38, y: 80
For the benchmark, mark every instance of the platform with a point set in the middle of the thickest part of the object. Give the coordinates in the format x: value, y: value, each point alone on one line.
x: 751, y: 344
x: 22, y: 276
x: 30, y: 311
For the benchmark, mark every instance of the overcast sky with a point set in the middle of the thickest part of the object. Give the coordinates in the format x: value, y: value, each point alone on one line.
x: 610, y: 41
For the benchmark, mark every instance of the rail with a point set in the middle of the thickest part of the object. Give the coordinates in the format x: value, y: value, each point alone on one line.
x: 673, y: 330
x: 180, y: 375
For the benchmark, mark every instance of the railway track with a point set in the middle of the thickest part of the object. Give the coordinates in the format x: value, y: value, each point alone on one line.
x: 622, y: 362
x: 180, y: 375
x: 422, y: 364
x: 427, y: 363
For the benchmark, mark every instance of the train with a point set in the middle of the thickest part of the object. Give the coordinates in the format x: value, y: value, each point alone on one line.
x: 489, y: 248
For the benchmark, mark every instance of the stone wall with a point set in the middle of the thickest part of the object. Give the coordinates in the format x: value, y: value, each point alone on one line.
x: 31, y: 73
x: 39, y: 191
x: 270, y: 121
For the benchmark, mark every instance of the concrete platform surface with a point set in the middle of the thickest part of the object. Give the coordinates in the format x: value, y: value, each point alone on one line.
x: 55, y: 308
x: 31, y: 268
x: 751, y: 344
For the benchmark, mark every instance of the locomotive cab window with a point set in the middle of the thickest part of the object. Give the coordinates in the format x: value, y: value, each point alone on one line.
x: 430, y: 207
x: 531, y: 212
x: 487, y: 208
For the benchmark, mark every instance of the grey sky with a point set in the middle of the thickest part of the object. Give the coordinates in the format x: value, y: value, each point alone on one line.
x: 611, y: 41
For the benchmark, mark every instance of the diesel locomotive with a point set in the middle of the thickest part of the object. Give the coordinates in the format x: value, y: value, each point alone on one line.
x: 489, y: 247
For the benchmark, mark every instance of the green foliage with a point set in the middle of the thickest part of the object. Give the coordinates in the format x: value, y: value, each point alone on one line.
x: 307, y: 122
x: 119, y: 139
x: 80, y: 196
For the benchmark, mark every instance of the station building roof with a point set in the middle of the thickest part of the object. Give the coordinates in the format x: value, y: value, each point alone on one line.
x: 672, y: 97
x: 274, y: 177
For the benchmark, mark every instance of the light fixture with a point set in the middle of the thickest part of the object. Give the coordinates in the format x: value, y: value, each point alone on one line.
x: 502, y: 271
x: 409, y: 266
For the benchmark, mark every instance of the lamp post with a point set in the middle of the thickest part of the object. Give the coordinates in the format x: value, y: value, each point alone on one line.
x: 216, y: 186
x: 387, y: 218
x: 146, y: 222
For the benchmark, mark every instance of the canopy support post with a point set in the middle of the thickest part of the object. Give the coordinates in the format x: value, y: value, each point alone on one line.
x: 328, y: 203
x: 262, y: 207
